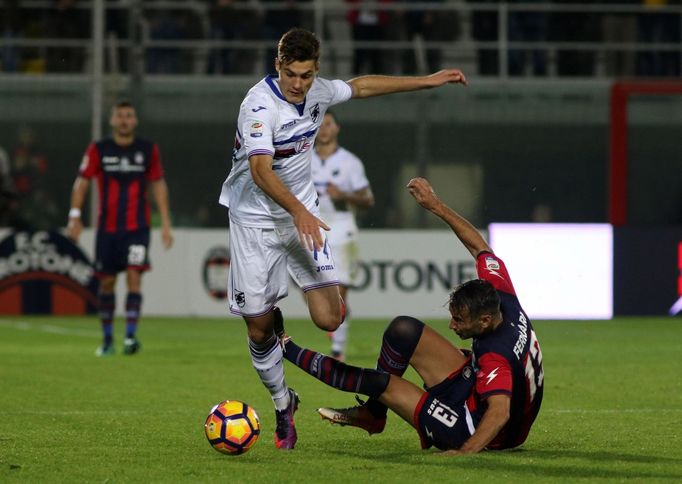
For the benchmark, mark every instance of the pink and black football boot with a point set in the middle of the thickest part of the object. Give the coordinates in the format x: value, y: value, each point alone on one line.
x: 285, y: 432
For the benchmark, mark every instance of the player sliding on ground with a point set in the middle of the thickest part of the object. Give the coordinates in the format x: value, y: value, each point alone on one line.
x: 488, y: 399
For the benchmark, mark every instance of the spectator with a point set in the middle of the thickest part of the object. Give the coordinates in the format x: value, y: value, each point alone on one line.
x: 619, y: 27
x: 527, y: 26
x: 368, y: 25
x: 11, y: 29
x: 7, y: 191
x: 117, y: 25
x: 659, y: 27
x: 431, y: 26
x: 484, y: 29
x: 65, y: 21
x: 35, y: 206
x: 230, y: 23
x: 276, y: 22
x: 250, y: 28
x: 224, y: 27
x: 33, y: 27
x: 191, y: 61
x: 165, y: 26
x: 575, y: 26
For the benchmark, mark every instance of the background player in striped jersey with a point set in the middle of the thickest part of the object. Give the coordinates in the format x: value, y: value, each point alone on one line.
x: 487, y: 398
x: 275, y: 224
x: 342, y: 186
x: 125, y: 167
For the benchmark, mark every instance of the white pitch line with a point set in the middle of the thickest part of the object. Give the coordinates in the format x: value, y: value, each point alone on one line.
x: 47, y: 328
x: 676, y: 308
x: 66, y: 413
x: 613, y: 410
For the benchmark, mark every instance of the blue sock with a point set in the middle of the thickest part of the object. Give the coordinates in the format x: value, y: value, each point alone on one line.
x: 107, y: 306
x: 336, y: 374
x: 133, y: 305
x: 397, y: 347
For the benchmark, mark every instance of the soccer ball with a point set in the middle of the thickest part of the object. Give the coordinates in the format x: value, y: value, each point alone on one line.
x: 232, y: 427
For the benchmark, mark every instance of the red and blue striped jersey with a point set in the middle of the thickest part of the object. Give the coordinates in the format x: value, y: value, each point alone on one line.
x: 508, y: 361
x: 122, y: 174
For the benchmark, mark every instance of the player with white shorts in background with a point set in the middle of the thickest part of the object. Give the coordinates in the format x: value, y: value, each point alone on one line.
x: 342, y: 186
x: 275, y: 222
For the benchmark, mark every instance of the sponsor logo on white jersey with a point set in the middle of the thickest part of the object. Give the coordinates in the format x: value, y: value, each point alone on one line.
x: 302, y: 145
x: 290, y: 124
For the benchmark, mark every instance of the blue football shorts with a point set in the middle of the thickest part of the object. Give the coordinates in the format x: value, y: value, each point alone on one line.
x: 442, y: 417
x: 118, y: 251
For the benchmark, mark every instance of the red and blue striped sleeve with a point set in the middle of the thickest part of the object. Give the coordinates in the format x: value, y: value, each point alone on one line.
x: 155, y: 168
x: 92, y: 163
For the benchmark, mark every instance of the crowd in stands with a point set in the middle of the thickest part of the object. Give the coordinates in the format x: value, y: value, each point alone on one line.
x: 27, y: 191
x: 371, y: 28
x: 639, y: 28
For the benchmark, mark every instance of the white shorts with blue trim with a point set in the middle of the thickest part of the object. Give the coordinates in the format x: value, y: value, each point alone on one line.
x: 261, y: 261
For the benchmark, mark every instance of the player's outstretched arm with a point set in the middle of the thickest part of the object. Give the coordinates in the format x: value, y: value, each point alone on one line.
x: 495, y: 417
x: 423, y: 193
x: 74, y: 226
x: 372, y: 85
x: 307, y: 225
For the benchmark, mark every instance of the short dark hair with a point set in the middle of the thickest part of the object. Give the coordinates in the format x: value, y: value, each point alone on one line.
x: 298, y: 45
x: 477, y: 296
x: 123, y: 103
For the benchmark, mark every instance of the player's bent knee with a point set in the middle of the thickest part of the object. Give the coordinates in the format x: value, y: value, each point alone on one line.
x: 328, y: 325
x: 107, y: 284
x: 328, y: 322
x: 259, y: 329
x: 404, y: 328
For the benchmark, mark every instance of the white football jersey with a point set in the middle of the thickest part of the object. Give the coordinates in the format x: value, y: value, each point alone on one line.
x: 269, y: 124
x: 346, y: 171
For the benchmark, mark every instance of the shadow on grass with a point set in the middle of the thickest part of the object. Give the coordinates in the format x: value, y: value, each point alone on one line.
x: 542, y: 463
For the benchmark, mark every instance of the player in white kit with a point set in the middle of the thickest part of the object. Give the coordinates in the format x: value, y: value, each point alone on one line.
x: 275, y: 223
x: 342, y: 186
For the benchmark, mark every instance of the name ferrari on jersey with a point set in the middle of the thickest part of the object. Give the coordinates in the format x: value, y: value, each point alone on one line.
x: 523, y: 336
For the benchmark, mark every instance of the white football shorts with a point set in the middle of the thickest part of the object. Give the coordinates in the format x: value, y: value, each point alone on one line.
x: 261, y: 261
x: 346, y: 262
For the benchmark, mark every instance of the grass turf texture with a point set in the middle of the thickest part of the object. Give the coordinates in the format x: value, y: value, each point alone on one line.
x: 612, y: 408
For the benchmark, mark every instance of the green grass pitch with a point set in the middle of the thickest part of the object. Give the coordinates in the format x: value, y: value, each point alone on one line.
x: 612, y: 410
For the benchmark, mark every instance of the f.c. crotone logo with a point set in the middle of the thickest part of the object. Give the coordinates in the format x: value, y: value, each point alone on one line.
x: 215, y: 271
x: 43, y: 272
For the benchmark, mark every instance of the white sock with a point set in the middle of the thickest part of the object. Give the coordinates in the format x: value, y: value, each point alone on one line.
x: 340, y: 338
x: 268, y: 360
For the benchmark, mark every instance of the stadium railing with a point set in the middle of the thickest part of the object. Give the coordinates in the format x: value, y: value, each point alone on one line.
x: 474, y: 30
